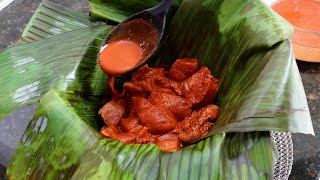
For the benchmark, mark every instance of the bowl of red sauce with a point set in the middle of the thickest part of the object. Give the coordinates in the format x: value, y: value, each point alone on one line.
x: 304, y: 15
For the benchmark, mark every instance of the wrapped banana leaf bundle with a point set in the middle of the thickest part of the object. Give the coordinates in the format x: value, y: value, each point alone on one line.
x: 243, y: 42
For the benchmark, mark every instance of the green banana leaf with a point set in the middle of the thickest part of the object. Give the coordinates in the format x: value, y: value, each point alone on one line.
x: 29, y: 71
x: 119, y: 10
x: 27, y: 75
x: 64, y: 145
x: 51, y: 19
x: 249, y: 52
x: 244, y: 44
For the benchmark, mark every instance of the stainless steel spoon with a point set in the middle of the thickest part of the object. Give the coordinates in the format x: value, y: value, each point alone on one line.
x: 145, y: 28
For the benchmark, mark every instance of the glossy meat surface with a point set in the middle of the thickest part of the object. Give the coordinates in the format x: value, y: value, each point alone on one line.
x: 200, y: 88
x: 182, y: 69
x: 168, y: 108
x: 180, y: 106
x: 158, y: 119
x: 113, y: 111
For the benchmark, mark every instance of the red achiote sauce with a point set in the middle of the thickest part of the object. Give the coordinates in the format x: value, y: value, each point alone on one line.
x: 304, y: 15
x: 134, y: 42
x: 119, y: 57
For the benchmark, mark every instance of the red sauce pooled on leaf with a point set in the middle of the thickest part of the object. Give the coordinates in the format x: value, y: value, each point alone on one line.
x: 168, y: 108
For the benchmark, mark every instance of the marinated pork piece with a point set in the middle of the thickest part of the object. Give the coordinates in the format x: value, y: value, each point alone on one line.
x: 158, y: 119
x: 146, y: 72
x: 182, y: 69
x: 200, y: 88
x: 170, y: 109
x: 195, y: 133
x: 167, y: 137
x: 138, y: 104
x: 140, y: 88
x: 180, y: 106
x: 143, y: 81
x: 163, y: 90
x: 143, y: 136
x: 138, y: 134
x: 197, y: 125
x: 169, y: 145
x: 128, y: 123
x: 187, y: 123
x: 163, y: 82
x: 133, y: 88
x: 198, y: 118
x: 113, y: 131
x: 113, y: 111
x: 208, y: 113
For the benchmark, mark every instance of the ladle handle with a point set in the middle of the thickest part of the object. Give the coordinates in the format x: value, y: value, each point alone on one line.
x: 163, y: 6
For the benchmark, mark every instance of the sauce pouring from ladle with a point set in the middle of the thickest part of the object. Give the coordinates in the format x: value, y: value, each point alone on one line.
x: 132, y: 42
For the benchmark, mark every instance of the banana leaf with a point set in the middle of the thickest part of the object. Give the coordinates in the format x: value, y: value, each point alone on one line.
x: 51, y: 19
x: 29, y: 71
x: 260, y: 87
x: 27, y: 75
x: 64, y: 145
x: 244, y: 44
x: 119, y: 10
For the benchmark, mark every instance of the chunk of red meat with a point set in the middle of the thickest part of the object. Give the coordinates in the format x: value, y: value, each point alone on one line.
x: 140, y: 73
x: 110, y: 131
x: 208, y: 113
x: 136, y: 128
x: 138, y: 104
x: 146, y: 72
x: 114, y: 132
x: 142, y: 87
x: 133, y: 88
x: 182, y: 69
x: 128, y: 123
x: 163, y: 82
x: 143, y: 81
x: 187, y: 123
x: 180, y: 106
x: 168, y: 137
x: 171, y: 145
x: 197, y: 125
x: 143, y: 136
x: 195, y: 133
x: 158, y: 119
x: 113, y: 111
x: 200, y: 88
x: 164, y: 90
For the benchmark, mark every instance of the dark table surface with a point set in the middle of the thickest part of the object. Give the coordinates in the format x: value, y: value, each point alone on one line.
x: 13, y: 19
